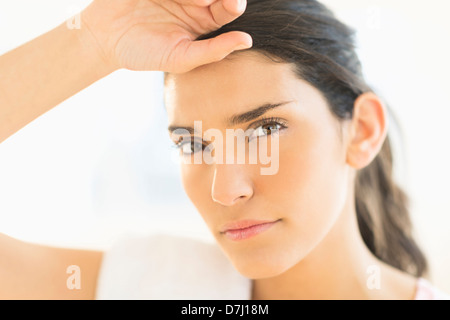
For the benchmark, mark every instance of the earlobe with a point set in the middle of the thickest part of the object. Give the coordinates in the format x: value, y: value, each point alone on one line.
x: 367, y: 131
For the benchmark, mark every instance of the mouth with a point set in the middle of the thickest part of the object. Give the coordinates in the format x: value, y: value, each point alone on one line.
x: 245, y: 229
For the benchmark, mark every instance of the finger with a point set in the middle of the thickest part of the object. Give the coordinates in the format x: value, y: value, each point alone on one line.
x: 225, y: 11
x: 197, y: 53
x: 198, y: 3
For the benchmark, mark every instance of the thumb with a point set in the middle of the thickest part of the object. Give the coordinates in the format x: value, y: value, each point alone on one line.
x: 197, y: 53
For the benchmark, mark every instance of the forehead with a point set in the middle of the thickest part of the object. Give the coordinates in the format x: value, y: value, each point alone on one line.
x: 216, y: 90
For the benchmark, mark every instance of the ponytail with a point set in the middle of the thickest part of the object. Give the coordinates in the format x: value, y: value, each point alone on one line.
x: 383, y: 215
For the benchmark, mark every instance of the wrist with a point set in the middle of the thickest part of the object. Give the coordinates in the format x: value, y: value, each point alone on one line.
x: 90, y: 50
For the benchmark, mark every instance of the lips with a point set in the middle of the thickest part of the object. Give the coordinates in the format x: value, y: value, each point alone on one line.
x: 242, y: 224
x: 245, y: 229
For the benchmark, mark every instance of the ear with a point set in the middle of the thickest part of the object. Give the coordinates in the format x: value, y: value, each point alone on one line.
x: 368, y: 130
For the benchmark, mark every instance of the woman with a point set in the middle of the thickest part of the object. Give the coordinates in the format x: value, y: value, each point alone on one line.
x: 328, y: 223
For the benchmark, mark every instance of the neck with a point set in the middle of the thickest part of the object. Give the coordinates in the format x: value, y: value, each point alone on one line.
x: 336, y: 269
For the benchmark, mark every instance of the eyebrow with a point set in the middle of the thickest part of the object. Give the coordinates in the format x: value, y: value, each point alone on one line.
x: 239, y: 118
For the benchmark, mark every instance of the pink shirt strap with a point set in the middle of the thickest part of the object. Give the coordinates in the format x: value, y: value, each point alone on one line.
x: 426, y: 291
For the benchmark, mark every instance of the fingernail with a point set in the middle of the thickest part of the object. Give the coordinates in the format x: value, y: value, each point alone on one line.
x: 241, y: 5
x: 242, y: 47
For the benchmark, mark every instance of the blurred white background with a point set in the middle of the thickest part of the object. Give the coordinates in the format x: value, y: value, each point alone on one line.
x: 99, y: 165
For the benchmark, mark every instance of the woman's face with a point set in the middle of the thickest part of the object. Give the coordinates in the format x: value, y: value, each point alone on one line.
x: 308, y: 191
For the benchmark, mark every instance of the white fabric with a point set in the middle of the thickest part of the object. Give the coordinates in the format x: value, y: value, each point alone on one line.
x: 160, y: 267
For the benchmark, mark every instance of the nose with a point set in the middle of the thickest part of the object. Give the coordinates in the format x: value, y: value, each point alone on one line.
x: 230, y: 184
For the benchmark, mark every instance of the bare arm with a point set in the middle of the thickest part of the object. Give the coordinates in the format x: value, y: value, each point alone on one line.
x: 154, y: 35
x: 31, y: 271
x: 44, y: 72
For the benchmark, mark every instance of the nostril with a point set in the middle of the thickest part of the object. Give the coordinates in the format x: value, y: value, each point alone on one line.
x: 239, y: 198
x: 227, y: 202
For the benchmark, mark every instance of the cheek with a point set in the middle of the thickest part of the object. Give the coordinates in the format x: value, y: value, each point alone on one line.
x: 197, y: 185
x: 309, y: 190
x: 189, y: 179
x: 315, y: 183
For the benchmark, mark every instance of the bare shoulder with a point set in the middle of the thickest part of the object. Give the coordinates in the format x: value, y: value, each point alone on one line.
x: 32, y: 271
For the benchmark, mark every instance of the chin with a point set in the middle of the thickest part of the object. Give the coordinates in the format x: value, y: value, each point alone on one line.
x: 259, y: 269
x: 261, y: 259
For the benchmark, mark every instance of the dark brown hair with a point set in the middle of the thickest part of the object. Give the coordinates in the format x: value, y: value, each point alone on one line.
x: 308, y: 35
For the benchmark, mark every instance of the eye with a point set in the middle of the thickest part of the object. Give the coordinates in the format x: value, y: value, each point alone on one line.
x: 267, y: 126
x: 189, y: 147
